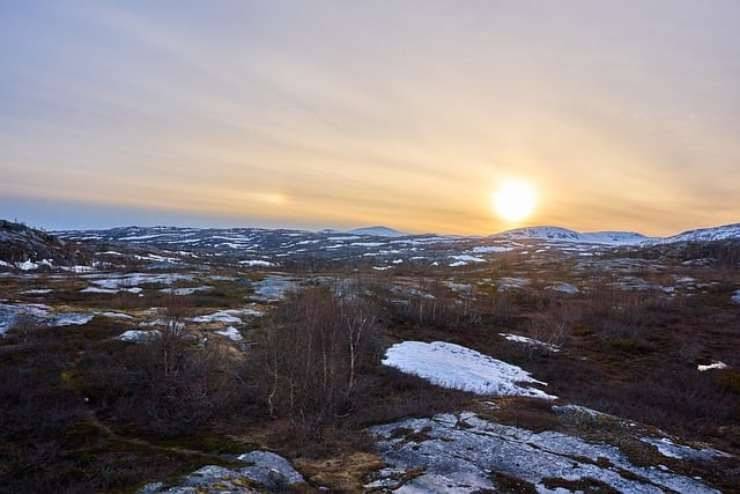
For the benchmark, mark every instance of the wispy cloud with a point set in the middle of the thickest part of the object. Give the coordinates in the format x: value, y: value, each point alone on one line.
x: 406, y: 113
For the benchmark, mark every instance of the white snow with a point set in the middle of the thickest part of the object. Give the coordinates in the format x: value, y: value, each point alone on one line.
x: 9, y: 313
x: 72, y: 319
x: 557, y: 234
x: 467, y: 258
x: 186, y: 291
x: 457, y: 367
x: 229, y: 316
x: 137, y: 335
x: 459, y: 287
x: 26, y: 265
x: 563, y: 288
x: 115, y: 315
x: 41, y: 314
x: 704, y: 234
x: 712, y: 366
x: 37, y: 291
x: 256, y: 262
x: 77, y: 269
x: 94, y: 289
x: 231, y: 333
x: 377, y: 231
x: 135, y: 279
x: 141, y: 237
x: 489, y: 249
x: 273, y: 288
x: 530, y: 341
x: 509, y: 283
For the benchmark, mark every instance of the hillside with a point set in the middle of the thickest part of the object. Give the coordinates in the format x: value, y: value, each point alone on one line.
x: 558, y: 234
x: 725, y: 232
x: 26, y: 248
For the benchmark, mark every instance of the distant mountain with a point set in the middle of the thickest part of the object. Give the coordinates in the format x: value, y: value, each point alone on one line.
x: 725, y: 232
x: 26, y: 248
x: 614, y: 238
x: 377, y: 231
x: 558, y: 234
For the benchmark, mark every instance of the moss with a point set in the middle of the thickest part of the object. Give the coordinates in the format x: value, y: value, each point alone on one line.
x: 586, y: 485
x: 729, y: 380
x: 631, y: 346
x: 210, y: 443
x: 411, y: 435
x: 506, y: 484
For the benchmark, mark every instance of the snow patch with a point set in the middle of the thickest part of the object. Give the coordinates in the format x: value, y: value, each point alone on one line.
x: 138, y: 335
x: 457, y: 367
x: 229, y: 316
x: 187, y: 291
x: 563, y: 287
x: 491, y: 249
x: 256, y: 262
x: 712, y: 366
x: 530, y: 341
x: 231, y: 333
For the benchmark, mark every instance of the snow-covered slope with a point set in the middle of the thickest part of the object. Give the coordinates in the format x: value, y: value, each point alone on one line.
x: 377, y: 231
x: 557, y: 234
x: 724, y: 232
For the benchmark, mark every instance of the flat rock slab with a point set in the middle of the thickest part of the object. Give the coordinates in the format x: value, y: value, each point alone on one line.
x: 463, y: 453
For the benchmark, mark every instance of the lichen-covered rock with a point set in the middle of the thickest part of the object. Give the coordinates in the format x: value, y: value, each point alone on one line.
x: 210, y: 479
x: 270, y: 470
x: 264, y: 469
x: 463, y: 453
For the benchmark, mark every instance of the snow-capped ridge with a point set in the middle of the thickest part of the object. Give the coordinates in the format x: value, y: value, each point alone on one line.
x: 723, y: 232
x: 377, y: 231
x: 559, y: 234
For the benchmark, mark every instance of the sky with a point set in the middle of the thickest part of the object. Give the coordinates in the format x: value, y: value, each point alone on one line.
x: 313, y: 114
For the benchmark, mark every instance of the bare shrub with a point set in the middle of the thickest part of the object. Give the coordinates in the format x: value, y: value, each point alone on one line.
x: 311, y: 353
x: 437, y: 306
x: 624, y: 317
x: 168, y: 385
x: 550, y: 329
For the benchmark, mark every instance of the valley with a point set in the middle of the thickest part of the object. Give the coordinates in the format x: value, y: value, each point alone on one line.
x: 176, y: 360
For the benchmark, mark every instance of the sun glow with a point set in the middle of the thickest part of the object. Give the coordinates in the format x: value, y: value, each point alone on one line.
x: 514, y: 200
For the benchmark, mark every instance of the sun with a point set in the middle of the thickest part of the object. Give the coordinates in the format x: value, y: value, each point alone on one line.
x: 514, y: 200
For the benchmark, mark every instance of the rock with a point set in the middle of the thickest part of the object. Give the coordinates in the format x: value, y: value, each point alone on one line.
x: 138, y: 335
x: 564, y: 288
x: 670, y: 449
x: 211, y: 479
x: 270, y: 470
x: 462, y: 452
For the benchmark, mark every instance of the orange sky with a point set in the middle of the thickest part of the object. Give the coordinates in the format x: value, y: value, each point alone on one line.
x: 407, y: 114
